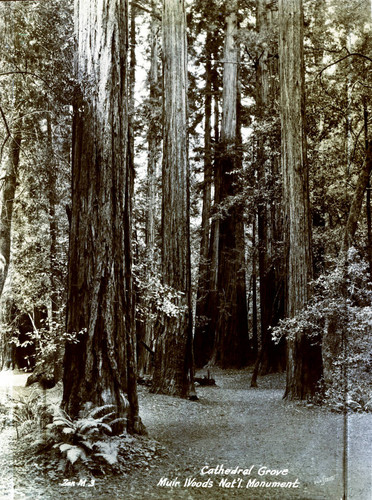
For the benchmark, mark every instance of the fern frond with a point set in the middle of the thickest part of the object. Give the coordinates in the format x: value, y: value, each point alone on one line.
x: 99, y: 409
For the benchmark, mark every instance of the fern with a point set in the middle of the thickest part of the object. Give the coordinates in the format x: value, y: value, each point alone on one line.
x: 81, y: 439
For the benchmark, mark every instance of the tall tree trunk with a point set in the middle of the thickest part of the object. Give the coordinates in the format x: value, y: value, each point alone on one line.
x: 368, y: 189
x: 7, y: 200
x: 334, y: 338
x: 101, y: 367
x: 231, y: 342
x: 153, y: 145
x: 173, y: 373
x: 53, y: 227
x: 271, y: 290
x: 356, y: 204
x: 303, y: 359
x: 254, y: 293
x: 203, y: 340
x: 145, y: 331
x: 56, y: 369
x: 211, y: 300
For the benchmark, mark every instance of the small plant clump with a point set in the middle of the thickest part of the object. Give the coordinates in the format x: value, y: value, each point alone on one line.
x: 86, y: 437
x: 63, y: 446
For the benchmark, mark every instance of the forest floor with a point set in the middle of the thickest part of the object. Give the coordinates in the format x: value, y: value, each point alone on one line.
x: 231, y: 425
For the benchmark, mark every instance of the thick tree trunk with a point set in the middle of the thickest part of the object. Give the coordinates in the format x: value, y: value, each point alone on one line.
x: 231, y: 342
x: 211, y: 299
x: 173, y: 372
x: 7, y: 200
x: 303, y: 359
x: 101, y: 367
x: 272, y: 357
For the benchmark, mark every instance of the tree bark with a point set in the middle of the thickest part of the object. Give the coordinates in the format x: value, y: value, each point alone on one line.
x: 231, y: 341
x: 356, y: 204
x: 272, y: 357
x: 53, y: 246
x: 173, y: 373
x: 145, y: 331
x: 303, y: 359
x: 101, y: 367
x: 203, y: 340
x: 7, y: 200
x: 368, y: 190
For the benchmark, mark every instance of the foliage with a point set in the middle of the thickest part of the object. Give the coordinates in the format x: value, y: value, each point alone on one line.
x: 29, y: 413
x: 157, y: 299
x: 342, y: 304
x: 83, y: 438
x: 36, y: 55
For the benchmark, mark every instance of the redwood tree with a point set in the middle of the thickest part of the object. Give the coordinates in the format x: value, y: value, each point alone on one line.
x: 203, y: 338
x: 231, y: 340
x: 173, y: 372
x: 303, y: 359
x: 100, y: 367
x: 269, y: 206
x: 145, y: 328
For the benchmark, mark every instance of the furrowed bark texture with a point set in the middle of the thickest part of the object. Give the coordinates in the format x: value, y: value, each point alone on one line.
x: 302, y: 358
x: 272, y: 357
x: 231, y: 341
x: 173, y: 352
x: 100, y: 368
x: 205, y: 331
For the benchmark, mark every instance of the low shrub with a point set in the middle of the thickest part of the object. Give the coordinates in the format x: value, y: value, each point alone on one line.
x: 339, y: 317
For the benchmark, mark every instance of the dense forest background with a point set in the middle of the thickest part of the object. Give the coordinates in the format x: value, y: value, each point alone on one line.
x: 186, y: 186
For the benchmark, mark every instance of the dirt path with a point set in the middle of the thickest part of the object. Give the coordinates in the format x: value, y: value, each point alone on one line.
x: 234, y: 426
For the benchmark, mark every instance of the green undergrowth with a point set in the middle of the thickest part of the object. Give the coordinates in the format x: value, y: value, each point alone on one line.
x: 46, y: 439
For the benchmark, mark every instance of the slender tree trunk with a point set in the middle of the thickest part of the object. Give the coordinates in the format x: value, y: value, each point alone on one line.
x: 231, y: 342
x: 153, y: 146
x: 53, y: 227
x: 254, y: 295
x: 101, y: 367
x: 145, y: 332
x: 334, y: 338
x: 173, y: 372
x: 303, y: 359
x: 356, y: 204
x: 8, y: 190
x: 203, y: 340
x: 53, y: 233
x: 368, y: 189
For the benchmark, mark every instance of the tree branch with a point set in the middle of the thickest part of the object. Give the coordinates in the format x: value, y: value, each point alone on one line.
x: 19, y: 72
x: 358, y: 54
x: 7, y: 129
x: 145, y: 9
